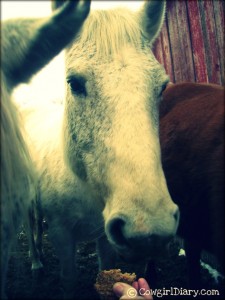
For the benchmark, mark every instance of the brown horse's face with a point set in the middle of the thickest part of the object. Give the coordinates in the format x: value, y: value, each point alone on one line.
x: 111, y: 131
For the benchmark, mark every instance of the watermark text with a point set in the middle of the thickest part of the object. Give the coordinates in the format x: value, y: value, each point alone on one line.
x: 175, y: 291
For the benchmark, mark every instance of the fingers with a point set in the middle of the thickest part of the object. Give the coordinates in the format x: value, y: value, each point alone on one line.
x: 124, y: 291
x: 135, y: 285
x: 144, y: 289
x: 139, y: 290
x: 142, y: 283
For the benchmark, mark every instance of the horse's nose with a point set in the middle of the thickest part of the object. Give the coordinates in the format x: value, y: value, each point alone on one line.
x: 116, y: 229
x: 176, y: 215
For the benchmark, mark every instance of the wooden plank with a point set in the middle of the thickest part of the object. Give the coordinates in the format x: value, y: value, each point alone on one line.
x: 219, y: 21
x: 210, y: 42
x: 174, y: 41
x: 191, y: 43
x: 197, y: 42
x: 180, y: 42
x: 162, y: 51
x: 166, y: 51
x: 184, y: 35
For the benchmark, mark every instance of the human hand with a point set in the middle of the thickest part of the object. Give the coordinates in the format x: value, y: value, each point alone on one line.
x: 139, y: 290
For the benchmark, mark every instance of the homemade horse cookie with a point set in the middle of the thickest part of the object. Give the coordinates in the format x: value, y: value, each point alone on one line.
x: 106, y: 280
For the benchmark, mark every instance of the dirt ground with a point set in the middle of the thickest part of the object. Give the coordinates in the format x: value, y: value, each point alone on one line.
x: 171, y: 272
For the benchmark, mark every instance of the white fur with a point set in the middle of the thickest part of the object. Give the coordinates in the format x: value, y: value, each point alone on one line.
x: 26, y: 46
x: 17, y: 178
x: 110, y: 138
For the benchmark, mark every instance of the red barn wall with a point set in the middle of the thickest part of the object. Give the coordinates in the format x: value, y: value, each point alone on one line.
x: 191, y: 44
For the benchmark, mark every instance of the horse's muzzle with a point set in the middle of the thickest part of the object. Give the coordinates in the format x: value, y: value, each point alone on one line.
x: 139, y: 244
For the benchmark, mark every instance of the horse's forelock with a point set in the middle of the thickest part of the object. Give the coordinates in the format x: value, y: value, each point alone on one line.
x: 105, y: 32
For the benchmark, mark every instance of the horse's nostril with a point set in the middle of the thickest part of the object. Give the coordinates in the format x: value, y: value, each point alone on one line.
x: 177, y: 215
x: 115, y: 230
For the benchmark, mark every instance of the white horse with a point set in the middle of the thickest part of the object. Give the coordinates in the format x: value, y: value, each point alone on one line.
x: 98, y: 157
x: 26, y: 46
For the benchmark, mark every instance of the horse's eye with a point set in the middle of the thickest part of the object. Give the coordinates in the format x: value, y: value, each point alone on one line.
x: 77, y: 86
x: 164, y: 86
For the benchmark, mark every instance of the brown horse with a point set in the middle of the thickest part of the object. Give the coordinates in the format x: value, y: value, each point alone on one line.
x: 192, y: 143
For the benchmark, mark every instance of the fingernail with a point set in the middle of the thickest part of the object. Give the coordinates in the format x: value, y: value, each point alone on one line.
x: 141, y: 280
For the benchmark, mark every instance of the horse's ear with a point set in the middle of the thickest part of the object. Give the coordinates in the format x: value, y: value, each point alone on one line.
x: 57, y: 3
x: 152, y: 17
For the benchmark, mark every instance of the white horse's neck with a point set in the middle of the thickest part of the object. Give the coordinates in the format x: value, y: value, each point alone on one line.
x: 60, y: 187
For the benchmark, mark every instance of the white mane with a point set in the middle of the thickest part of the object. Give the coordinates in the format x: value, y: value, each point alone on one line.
x: 106, y: 32
x: 16, y: 165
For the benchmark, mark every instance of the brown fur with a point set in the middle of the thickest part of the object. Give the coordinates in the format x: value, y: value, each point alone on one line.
x: 192, y: 142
